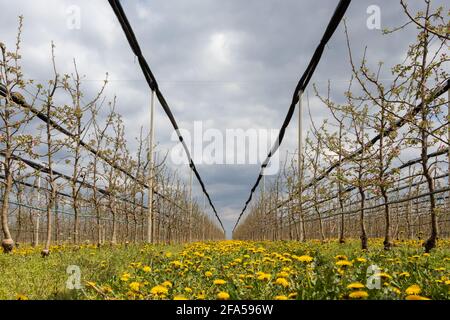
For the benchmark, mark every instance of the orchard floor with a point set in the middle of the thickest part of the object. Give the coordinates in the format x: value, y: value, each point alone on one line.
x: 229, y: 270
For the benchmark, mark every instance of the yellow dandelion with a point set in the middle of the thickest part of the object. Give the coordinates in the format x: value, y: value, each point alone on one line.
x: 282, y: 282
x: 414, y: 289
x: 282, y: 297
x: 344, y: 263
x: 305, y: 258
x: 159, y: 290
x: 355, y: 285
x: 361, y: 260
x: 358, y: 294
x: 125, y: 277
x: 283, y: 274
x: 208, y: 274
x: 201, y: 296
x: 146, y: 269
x: 177, y: 264
x: 180, y: 297
x: 223, y: 295
x: 219, y: 282
x: 134, y: 286
x: 187, y: 289
x: 383, y: 275
x: 21, y: 297
x: 264, y: 277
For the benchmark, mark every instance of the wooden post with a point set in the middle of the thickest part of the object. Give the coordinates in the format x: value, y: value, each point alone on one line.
x: 190, y: 206
x: 300, y: 166
x: 150, y: 173
x: 448, y: 141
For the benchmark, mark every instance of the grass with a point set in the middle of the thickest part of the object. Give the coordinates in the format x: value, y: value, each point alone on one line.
x: 230, y: 270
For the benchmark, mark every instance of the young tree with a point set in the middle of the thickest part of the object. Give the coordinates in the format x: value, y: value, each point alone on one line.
x: 13, y: 139
x: 413, y: 90
x: 74, y: 117
x: 115, y: 151
x: 335, y: 142
x: 52, y: 146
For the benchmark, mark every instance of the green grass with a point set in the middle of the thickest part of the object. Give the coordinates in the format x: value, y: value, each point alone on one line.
x: 249, y: 269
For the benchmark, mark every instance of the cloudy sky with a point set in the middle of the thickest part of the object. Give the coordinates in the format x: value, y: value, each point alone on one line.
x: 230, y: 64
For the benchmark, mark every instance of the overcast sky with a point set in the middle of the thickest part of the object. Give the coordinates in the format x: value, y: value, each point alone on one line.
x: 230, y: 64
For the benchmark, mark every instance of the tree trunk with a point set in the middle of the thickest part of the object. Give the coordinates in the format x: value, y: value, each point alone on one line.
x: 7, y: 242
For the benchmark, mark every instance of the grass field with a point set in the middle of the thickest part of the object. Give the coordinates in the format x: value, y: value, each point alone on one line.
x: 229, y: 270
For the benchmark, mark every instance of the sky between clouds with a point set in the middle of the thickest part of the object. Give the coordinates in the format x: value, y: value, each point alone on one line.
x: 230, y: 64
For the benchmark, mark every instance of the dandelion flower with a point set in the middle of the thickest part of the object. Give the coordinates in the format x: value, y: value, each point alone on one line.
x: 264, y: 276
x: 219, y: 282
x: 21, y: 297
x: 134, y: 286
x: 413, y: 290
x: 305, y: 258
x: 282, y: 297
x: 283, y: 274
x: 177, y: 264
x: 125, y: 277
x: 201, y: 296
x: 344, y: 263
x: 159, y: 290
x: 358, y: 294
x: 355, y: 285
x: 180, y: 297
x: 146, y: 269
x: 383, y: 275
x: 208, y: 274
x: 223, y: 295
x: 282, y: 281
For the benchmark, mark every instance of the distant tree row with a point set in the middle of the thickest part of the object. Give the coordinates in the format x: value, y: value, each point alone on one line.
x: 353, y: 178
x: 64, y: 160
